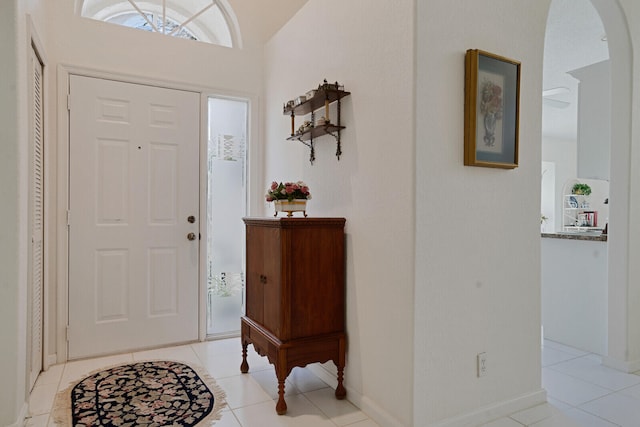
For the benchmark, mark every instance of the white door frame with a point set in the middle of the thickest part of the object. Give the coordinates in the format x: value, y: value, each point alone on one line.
x: 254, y: 166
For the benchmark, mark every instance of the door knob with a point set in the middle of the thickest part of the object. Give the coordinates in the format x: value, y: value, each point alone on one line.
x: 191, y: 236
x: 191, y: 219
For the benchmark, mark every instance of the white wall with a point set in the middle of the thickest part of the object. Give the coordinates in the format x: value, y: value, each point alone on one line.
x: 12, y: 361
x: 477, y: 230
x: 563, y: 152
x: 548, y: 198
x: 594, y: 120
x: 624, y: 271
x: 493, y: 303
x: 622, y: 24
x: 367, y: 46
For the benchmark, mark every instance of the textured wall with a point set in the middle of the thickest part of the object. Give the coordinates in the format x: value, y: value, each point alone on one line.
x: 367, y: 46
x: 477, y: 229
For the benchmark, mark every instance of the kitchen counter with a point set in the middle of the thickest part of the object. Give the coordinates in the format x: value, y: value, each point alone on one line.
x: 586, y: 235
x: 574, y: 289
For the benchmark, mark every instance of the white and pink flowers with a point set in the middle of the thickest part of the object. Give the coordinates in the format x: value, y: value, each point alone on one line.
x: 287, y: 191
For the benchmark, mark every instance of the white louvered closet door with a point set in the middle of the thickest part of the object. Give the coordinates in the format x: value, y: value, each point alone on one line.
x: 36, y: 220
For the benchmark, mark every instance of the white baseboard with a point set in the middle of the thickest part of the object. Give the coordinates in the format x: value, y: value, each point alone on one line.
x: 495, y: 411
x: 22, y: 416
x: 52, y: 359
x: 620, y: 365
x: 472, y: 419
x: 366, y: 405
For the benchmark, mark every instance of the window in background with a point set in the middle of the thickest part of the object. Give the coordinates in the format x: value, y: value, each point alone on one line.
x: 210, y: 21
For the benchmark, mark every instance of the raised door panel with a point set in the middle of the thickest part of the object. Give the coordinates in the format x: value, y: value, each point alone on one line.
x: 273, y: 283
x: 255, y: 266
x: 317, y: 281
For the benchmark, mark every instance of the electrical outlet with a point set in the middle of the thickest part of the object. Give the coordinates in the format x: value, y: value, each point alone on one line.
x: 481, y: 359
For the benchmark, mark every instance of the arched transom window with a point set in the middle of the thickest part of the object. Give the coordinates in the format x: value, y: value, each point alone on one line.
x: 210, y: 21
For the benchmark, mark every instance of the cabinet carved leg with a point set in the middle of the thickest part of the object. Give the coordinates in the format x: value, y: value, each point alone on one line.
x: 244, y: 367
x: 341, y: 392
x: 281, y: 406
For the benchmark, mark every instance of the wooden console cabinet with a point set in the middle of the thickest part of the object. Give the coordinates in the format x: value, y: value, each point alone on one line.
x: 295, y: 306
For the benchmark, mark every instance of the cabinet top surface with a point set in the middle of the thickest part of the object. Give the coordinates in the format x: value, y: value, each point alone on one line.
x: 292, y: 222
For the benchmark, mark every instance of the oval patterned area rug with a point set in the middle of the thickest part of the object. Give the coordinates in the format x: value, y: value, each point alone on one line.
x: 151, y: 393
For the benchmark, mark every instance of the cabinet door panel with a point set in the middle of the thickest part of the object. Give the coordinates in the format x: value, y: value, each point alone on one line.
x: 317, y: 281
x: 272, y: 286
x: 255, y: 267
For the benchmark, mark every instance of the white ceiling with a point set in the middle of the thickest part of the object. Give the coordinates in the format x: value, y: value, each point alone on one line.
x: 573, y: 40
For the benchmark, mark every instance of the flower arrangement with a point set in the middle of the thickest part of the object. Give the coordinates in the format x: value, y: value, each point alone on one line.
x: 491, y: 99
x: 287, y: 191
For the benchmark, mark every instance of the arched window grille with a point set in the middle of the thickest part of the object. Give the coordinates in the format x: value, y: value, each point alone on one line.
x: 210, y: 21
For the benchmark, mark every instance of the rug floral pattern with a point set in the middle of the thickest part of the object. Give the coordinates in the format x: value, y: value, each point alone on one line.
x: 149, y: 394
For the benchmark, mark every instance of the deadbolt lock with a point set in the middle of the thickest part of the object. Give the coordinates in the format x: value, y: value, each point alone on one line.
x: 191, y: 219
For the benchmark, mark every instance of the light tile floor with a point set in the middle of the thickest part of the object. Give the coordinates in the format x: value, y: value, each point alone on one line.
x: 250, y: 398
x: 581, y: 392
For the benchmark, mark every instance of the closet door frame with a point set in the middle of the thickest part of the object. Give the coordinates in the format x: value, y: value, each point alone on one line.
x: 36, y: 48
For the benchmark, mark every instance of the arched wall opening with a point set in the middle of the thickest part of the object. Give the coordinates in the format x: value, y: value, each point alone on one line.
x: 613, y: 17
x: 618, y: 350
x: 575, y: 148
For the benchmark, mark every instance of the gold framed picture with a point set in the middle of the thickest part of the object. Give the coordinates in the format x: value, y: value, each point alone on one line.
x: 491, y: 110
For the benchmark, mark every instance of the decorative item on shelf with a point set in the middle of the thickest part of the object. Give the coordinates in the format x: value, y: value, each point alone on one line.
x: 289, y: 197
x: 300, y: 99
x: 310, y: 94
x: 581, y: 189
x: 330, y: 86
x: 573, y: 202
x: 305, y: 127
x: 321, y: 121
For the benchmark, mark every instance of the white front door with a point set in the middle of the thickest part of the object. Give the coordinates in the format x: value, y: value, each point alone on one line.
x: 134, y: 184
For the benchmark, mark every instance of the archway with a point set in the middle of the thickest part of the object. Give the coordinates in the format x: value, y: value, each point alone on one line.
x: 618, y: 354
x: 575, y: 148
x: 614, y: 20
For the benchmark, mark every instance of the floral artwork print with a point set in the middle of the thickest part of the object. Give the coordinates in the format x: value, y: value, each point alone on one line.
x: 491, y: 108
x: 145, y: 394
